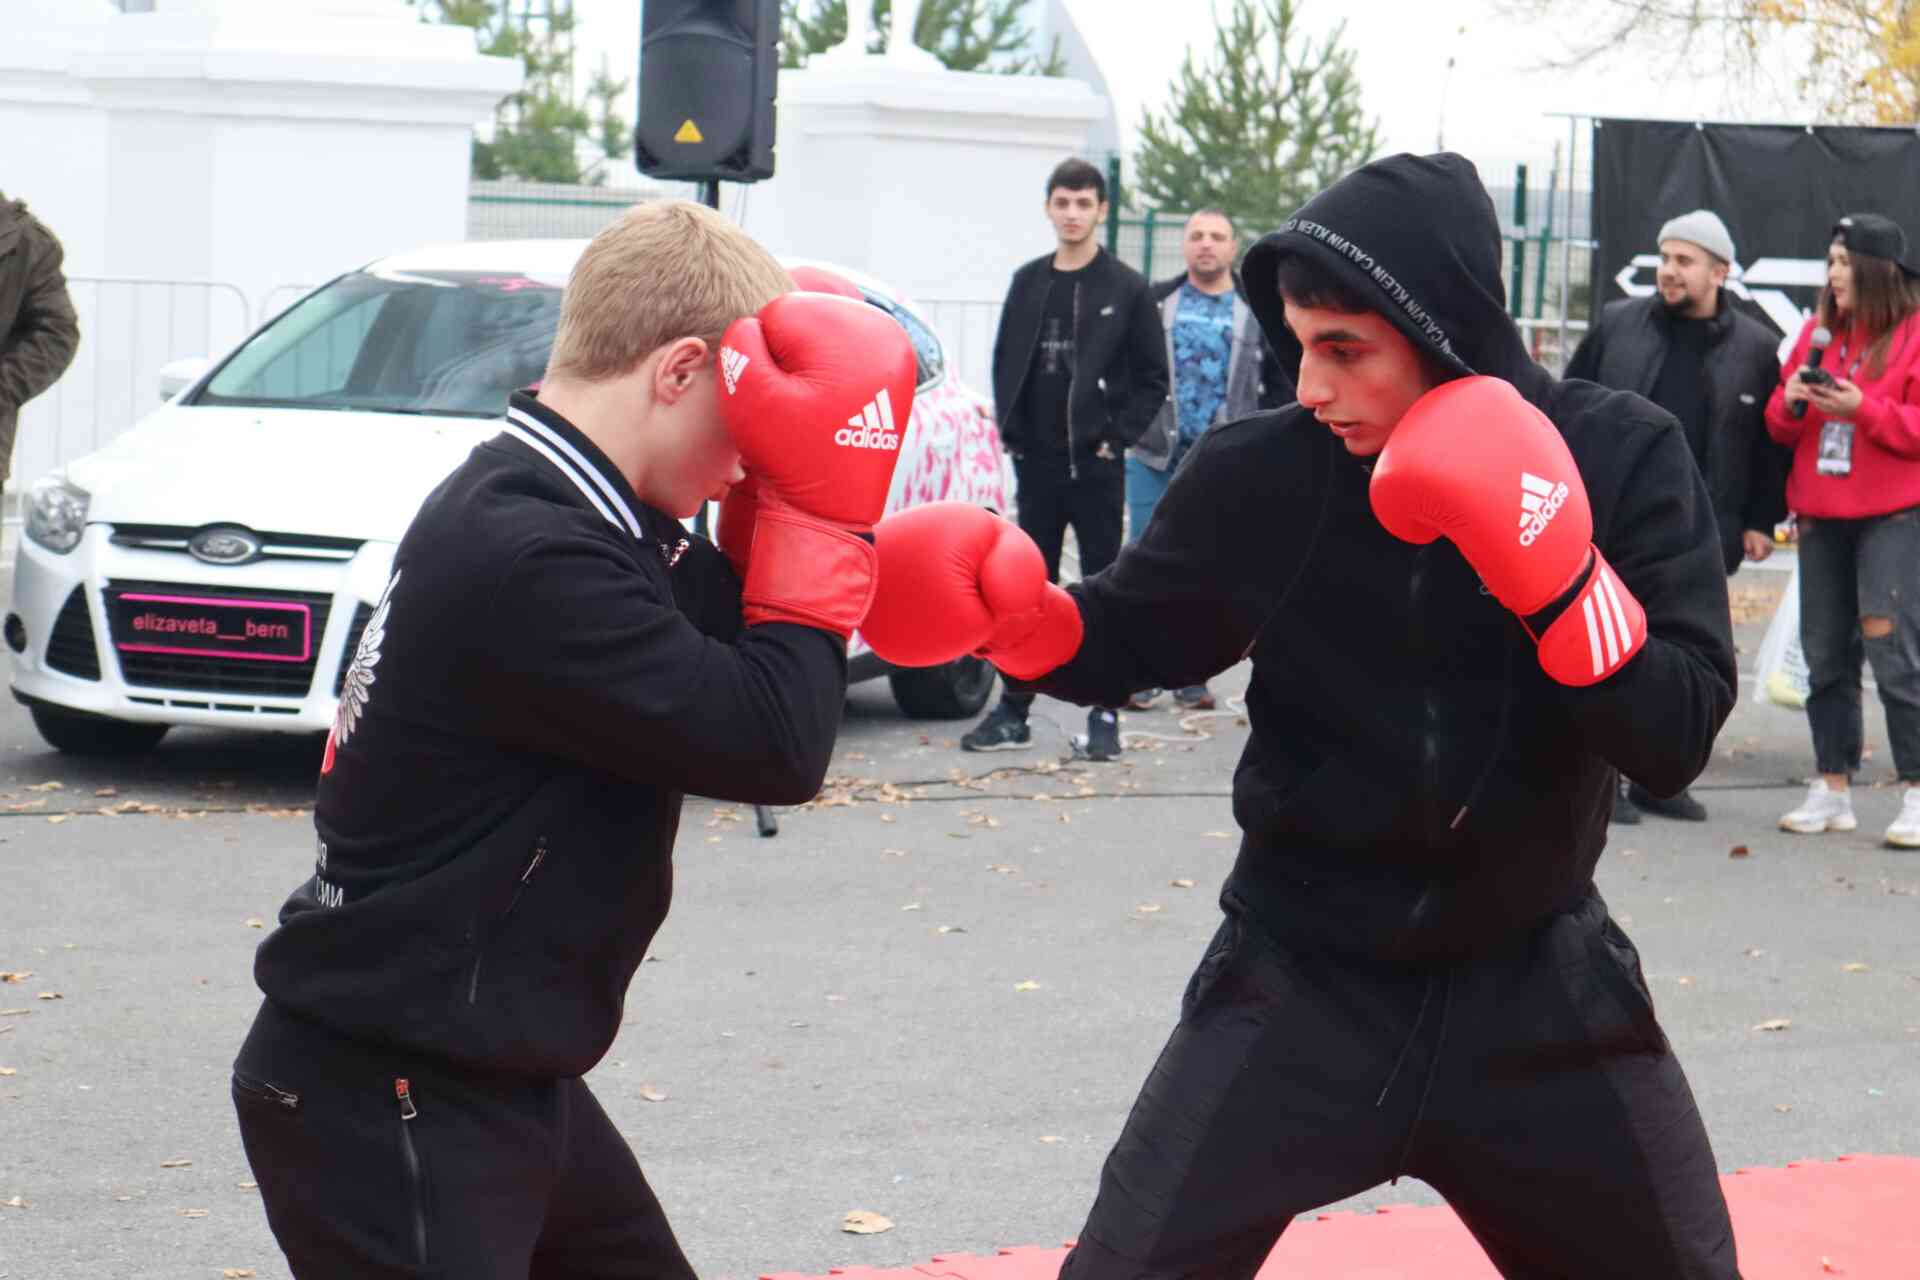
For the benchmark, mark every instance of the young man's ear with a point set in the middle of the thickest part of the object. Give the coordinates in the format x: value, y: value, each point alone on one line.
x: 681, y: 364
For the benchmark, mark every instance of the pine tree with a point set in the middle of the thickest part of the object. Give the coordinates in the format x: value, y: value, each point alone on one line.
x: 539, y: 131
x: 966, y: 35
x: 1266, y: 121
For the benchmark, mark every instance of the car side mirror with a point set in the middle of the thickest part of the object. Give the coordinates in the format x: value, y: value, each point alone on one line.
x: 177, y: 375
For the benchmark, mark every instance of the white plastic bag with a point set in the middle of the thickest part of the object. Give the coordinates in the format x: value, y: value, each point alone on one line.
x: 1780, y: 678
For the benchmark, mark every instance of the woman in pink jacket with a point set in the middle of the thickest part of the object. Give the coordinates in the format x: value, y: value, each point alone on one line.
x: 1855, y: 430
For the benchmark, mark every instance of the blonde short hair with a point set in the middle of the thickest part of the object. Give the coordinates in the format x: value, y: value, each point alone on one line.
x: 667, y: 269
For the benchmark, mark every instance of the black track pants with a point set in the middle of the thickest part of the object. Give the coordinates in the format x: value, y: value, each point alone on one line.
x: 467, y: 1177
x: 1533, y: 1089
x: 1052, y: 498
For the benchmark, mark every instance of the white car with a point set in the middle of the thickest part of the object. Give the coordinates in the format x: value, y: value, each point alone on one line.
x: 216, y: 563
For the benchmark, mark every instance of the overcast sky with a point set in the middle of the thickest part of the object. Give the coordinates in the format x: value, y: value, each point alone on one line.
x: 1493, y: 107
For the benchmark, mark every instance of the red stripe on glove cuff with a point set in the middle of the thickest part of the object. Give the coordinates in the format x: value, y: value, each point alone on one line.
x: 1597, y: 633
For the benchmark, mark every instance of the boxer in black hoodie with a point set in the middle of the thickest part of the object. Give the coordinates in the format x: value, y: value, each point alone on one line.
x: 1472, y: 596
x: 552, y: 665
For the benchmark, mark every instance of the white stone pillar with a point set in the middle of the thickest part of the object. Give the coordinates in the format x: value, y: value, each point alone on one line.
x: 932, y: 181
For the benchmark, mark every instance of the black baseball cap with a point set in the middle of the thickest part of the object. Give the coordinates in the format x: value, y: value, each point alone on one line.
x: 1877, y: 236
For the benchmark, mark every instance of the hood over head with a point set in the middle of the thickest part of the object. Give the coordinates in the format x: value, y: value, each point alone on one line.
x: 1419, y: 235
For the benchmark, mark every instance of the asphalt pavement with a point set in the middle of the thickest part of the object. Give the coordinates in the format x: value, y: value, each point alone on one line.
x: 931, y: 997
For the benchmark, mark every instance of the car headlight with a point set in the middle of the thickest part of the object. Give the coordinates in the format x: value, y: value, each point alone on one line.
x: 57, y: 513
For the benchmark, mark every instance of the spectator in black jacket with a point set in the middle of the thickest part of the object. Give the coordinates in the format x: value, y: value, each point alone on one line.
x: 552, y: 665
x: 1079, y: 371
x: 1691, y: 350
x: 1220, y: 367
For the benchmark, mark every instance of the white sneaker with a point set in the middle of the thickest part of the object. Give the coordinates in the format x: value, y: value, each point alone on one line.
x: 1828, y: 810
x: 1905, y: 831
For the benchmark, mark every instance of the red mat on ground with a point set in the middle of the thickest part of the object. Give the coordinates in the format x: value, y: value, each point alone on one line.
x: 1852, y: 1217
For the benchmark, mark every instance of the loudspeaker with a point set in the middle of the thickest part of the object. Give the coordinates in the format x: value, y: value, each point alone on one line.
x: 709, y: 73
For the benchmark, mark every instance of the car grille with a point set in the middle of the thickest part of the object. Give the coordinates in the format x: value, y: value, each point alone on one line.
x: 70, y: 648
x: 273, y: 546
x: 361, y: 617
x: 223, y: 675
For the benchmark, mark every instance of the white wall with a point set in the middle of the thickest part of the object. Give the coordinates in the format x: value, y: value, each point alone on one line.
x: 247, y: 145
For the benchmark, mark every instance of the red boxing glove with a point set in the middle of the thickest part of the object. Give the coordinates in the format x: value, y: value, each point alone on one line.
x: 816, y: 393
x: 821, y: 280
x: 956, y: 579
x: 1472, y: 461
x: 733, y: 531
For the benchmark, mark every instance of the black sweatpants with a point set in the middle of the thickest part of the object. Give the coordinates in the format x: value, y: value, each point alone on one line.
x: 1533, y: 1088
x: 1052, y: 497
x: 467, y: 1177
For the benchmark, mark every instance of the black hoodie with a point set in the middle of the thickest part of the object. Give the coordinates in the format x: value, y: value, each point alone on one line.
x: 1414, y: 786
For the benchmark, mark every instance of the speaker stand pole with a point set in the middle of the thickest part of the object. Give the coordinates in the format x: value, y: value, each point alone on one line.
x: 763, y: 818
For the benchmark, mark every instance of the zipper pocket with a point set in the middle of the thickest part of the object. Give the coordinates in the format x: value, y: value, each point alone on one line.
x: 416, y: 1180
x: 519, y: 888
x: 264, y: 1092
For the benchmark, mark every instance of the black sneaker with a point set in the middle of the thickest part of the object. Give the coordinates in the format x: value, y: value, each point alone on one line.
x: 1144, y: 699
x: 1195, y: 697
x: 1682, y: 806
x: 1103, y: 734
x: 1624, y: 811
x: 1004, y: 729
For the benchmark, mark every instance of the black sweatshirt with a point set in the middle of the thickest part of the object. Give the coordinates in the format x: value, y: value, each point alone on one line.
x: 1414, y: 786
x: 552, y: 665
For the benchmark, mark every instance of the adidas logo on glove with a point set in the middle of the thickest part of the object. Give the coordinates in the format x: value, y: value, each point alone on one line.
x: 875, y: 426
x: 1539, y: 503
x: 732, y: 364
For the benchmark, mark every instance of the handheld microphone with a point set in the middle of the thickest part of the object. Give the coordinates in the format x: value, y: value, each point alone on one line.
x: 1815, y: 354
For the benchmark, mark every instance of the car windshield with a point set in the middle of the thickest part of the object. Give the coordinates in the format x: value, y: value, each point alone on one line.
x: 431, y: 342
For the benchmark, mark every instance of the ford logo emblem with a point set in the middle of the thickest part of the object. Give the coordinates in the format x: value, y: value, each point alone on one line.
x: 224, y: 544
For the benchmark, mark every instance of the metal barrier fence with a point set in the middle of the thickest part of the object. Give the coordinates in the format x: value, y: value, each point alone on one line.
x: 128, y: 329
x: 500, y: 210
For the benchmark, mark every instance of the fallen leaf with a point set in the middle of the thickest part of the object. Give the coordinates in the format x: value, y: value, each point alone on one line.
x: 1028, y: 985
x: 1065, y: 816
x: 1855, y: 967
x: 194, y: 1213
x: 50, y: 995
x: 1182, y: 883
x: 1686, y: 982
x: 247, y: 1186
x: 1739, y: 851
x: 950, y: 928
x: 912, y: 906
x: 1773, y: 1024
x: 864, y: 1222
x: 176, y: 1164
x: 15, y: 1203
x: 895, y: 853
x: 886, y: 817
x: 1783, y: 1107
x: 57, y: 819
x: 106, y: 791
x: 1754, y: 953
x: 255, y: 922
x: 1051, y: 1138
x: 9, y: 1071
x: 235, y: 1273
x: 12, y: 1013
x: 1147, y: 908
x: 1219, y: 835
x: 652, y: 1094
x: 47, y: 786
x: 21, y: 976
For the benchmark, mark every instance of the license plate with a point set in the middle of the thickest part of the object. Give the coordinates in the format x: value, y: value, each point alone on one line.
x: 213, y: 627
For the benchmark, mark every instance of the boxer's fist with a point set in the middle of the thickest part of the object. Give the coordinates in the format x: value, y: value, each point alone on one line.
x: 1472, y: 461
x: 956, y: 579
x: 816, y: 391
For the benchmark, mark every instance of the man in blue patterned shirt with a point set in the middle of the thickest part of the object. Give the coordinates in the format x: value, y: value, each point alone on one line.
x: 1222, y: 369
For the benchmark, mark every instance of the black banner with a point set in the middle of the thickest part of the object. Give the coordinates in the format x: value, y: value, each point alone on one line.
x: 1779, y: 189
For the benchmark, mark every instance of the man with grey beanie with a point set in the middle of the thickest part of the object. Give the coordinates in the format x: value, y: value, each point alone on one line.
x: 1688, y: 348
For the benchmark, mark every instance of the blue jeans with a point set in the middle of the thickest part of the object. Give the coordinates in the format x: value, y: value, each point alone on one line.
x: 1850, y: 569
x: 1144, y: 488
